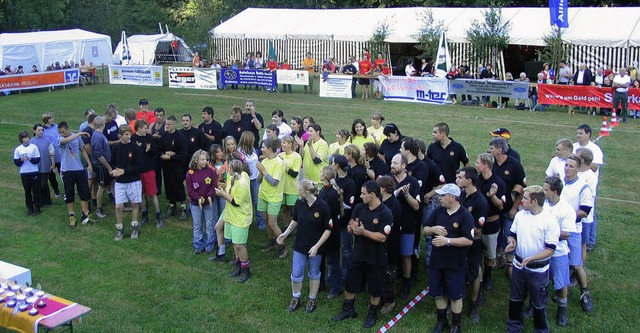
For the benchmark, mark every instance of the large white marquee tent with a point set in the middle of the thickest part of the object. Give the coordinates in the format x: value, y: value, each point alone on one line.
x: 44, y: 48
x: 152, y: 49
x: 595, y: 39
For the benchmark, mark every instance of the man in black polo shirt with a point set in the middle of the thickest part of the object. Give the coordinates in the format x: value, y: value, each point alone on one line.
x: 370, y: 224
x: 447, y: 153
x: 452, y: 228
x: 408, y: 193
x: 493, y: 188
x: 210, y: 127
x: 506, y: 134
x: 512, y: 173
x: 252, y: 120
x: 196, y: 139
x: 474, y: 201
x: 234, y: 125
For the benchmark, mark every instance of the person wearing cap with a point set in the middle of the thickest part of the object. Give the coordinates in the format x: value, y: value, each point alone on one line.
x: 446, y: 152
x: 504, y: 133
x: 534, y: 237
x: 144, y: 112
x: 451, y: 226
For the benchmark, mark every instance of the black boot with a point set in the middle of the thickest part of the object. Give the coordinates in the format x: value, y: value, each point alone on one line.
x: 561, y: 316
x: 443, y: 322
x: 406, y: 288
x: 244, y: 275
x: 145, y: 217
x: 236, y: 271
x: 348, y: 311
x: 487, y: 282
x: 372, y: 316
x: 473, y: 312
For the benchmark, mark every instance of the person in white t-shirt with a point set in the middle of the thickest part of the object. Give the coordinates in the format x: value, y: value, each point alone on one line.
x: 621, y: 83
x: 564, y: 149
x: 563, y: 213
x: 589, y: 177
x: 26, y: 157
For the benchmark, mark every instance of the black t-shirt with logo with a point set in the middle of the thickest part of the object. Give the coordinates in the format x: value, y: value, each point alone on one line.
x: 458, y: 224
x: 377, y: 220
x: 312, y: 222
x: 448, y: 159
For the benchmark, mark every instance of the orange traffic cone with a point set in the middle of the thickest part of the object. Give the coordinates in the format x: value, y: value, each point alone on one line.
x: 614, y: 119
x: 604, y: 131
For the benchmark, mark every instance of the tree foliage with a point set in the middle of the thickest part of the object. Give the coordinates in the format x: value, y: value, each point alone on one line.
x: 377, y: 42
x: 490, y: 36
x: 555, y: 48
x: 428, y: 36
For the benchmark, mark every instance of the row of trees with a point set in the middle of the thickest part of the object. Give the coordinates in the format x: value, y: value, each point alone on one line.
x: 192, y: 19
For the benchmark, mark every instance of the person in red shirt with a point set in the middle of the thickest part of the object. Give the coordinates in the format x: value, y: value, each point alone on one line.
x: 144, y: 112
x: 365, y: 69
x: 379, y: 61
x: 272, y: 65
x: 286, y: 66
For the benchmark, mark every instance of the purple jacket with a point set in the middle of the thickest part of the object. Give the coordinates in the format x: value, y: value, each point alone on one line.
x: 201, y: 184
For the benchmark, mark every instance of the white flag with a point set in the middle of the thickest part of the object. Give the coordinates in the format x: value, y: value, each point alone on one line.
x: 443, y: 60
x: 125, y: 56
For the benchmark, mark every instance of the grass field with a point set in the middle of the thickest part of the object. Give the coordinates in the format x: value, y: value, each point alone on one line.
x: 157, y: 284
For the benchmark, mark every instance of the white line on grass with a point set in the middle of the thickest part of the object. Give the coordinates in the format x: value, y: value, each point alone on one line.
x: 445, y: 115
x: 620, y: 200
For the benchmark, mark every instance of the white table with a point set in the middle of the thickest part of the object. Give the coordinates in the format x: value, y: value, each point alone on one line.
x: 12, y: 273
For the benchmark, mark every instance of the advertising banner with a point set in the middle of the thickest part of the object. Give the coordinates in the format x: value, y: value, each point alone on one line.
x: 559, y: 13
x: 583, y: 96
x: 300, y: 78
x: 137, y: 75
x: 499, y: 88
x: 39, y: 80
x: 192, y: 77
x: 254, y: 77
x: 337, y: 86
x: 431, y: 90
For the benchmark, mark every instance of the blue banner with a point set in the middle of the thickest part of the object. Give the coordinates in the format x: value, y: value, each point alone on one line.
x: 254, y: 77
x: 559, y: 13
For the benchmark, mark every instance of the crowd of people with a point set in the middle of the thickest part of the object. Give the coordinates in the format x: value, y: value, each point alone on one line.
x: 360, y: 205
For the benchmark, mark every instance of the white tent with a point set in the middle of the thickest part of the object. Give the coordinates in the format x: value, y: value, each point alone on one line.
x: 46, y: 47
x: 152, y: 49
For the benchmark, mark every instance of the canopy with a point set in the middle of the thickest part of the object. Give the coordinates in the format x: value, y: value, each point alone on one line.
x: 44, y: 48
x: 528, y: 25
x: 151, y: 49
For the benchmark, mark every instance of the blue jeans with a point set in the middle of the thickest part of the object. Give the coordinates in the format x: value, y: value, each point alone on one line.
x: 300, y: 261
x: 506, y: 230
x: 218, y: 204
x: 346, y: 243
x: 332, y: 258
x: 593, y: 233
x: 255, y: 187
x: 208, y: 214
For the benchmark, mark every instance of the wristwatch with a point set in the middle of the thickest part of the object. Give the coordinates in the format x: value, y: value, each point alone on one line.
x: 448, y: 241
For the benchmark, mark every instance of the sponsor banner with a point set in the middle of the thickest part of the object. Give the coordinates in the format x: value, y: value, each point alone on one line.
x: 583, y: 96
x: 194, y: 78
x: 337, y: 86
x: 499, y: 88
x: 559, y: 13
x: 254, y: 77
x: 300, y: 78
x: 136, y: 75
x: 39, y: 80
x: 414, y: 89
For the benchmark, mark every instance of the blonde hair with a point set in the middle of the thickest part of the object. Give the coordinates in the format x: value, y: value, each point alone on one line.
x: 193, y: 165
x: 330, y: 174
x: 308, y: 186
x: 355, y: 152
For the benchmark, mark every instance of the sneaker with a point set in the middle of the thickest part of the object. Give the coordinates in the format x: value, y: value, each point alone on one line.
x: 198, y: 252
x: 283, y: 253
x: 36, y: 212
x: 311, y: 306
x: 244, y: 275
x: 332, y: 296
x: 473, y: 313
x: 590, y: 247
x: 58, y: 196
x: 183, y: 214
x: 585, y: 302
x: 30, y: 212
x: 159, y: 221
x: 134, y: 231
x: 441, y: 326
x: 72, y: 221
x: 219, y: 258
x: 293, y: 305
x: 269, y: 247
x: 171, y: 211
x: 455, y: 329
x: 100, y: 213
x: 145, y: 217
x: 86, y: 219
x: 120, y: 234
x: 387, y: 307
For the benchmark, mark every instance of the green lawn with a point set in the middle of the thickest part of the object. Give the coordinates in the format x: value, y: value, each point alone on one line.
x: 157, y: 284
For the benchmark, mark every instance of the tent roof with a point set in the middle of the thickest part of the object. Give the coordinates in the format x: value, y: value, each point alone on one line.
x: 167, y: 37
x: 48, y: 36
x: 528, y: 25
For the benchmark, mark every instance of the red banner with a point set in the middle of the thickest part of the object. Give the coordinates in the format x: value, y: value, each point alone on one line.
x: 39, y: 80
x: 583, y: 96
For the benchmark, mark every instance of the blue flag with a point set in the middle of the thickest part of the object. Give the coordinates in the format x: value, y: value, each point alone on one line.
x: 272, y: 52
x: 559, y: 13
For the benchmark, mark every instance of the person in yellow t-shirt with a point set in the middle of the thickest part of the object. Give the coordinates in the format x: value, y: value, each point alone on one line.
x: 292, y: 165
x: 271, y: 192
x: 376, y: 129
x: 309, y: 64
x: 359, y: 134
x: 236, y: 218
x: 315, y: 154
x: 342, y: 140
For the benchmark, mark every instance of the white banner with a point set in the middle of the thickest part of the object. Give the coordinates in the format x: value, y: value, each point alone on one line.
x: 415, y: 89
x: 136, y: 75
x: 300, y: 78
x: 338, y: 86
x: 511, y: 89
x: 192, y: 77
